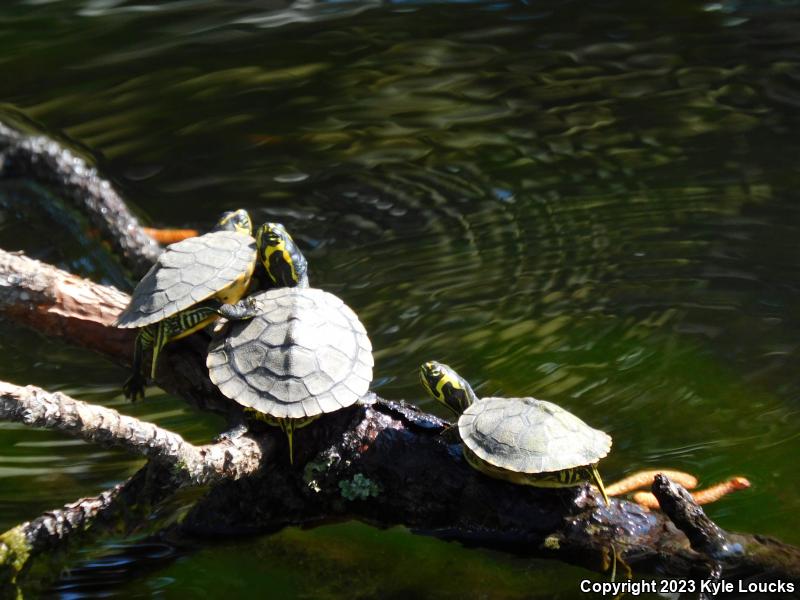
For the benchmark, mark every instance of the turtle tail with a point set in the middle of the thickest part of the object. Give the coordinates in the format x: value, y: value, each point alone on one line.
x: 288, y: 426
x: 599, y: 483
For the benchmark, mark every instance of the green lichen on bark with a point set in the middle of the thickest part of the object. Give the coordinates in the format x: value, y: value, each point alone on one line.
x: 359, y: 488
x: 14, y: 554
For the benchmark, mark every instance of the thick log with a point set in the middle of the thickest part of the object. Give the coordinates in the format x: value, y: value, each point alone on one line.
x: 41, y: 159
x: 388, y: 463
x: 60, y: 304
x: 63, y: 305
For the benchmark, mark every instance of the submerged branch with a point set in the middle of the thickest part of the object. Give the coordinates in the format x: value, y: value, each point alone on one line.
x: 174, y: 463
x: 41, y: 159
x: 32, y: 553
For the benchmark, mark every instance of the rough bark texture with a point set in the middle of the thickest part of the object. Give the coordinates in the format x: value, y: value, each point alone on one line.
x: 704, y: 535
x: 59, y: 304
x: 231, y: 458
x: 43, y: 160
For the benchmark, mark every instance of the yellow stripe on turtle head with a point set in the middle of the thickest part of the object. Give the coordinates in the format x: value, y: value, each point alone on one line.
x: 446, y: 386
x: 235, y: 220
x: 431, y: 376
x: 274, y: 245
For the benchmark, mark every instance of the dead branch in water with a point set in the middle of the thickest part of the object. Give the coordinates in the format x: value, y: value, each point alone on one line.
x: 41, y: 159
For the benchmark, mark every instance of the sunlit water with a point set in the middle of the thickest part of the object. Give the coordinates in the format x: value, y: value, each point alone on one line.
x: 590, y: 202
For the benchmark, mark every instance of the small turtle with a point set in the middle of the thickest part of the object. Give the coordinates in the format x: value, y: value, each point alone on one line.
x: 302, y: 352
x: 183, y: 291
x: 521, y: 440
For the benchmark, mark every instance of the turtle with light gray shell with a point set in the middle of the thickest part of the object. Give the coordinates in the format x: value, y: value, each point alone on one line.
x: 304, y: 353
x: 522, y: 440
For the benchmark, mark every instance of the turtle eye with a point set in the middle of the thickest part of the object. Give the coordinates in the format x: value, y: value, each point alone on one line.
x: 429, y: 377
x: 276, y: 234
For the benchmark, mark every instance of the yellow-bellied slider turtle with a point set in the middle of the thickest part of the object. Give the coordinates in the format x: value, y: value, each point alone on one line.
x: 302, y: 352
x: 184, y: 290
x: 522, y: 440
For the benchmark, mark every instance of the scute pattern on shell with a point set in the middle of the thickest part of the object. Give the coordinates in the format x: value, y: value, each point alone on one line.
x: 189, y: 272
x: 305, y: 354
x: 530, y: 436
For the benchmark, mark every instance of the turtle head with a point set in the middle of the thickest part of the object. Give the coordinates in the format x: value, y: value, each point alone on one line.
x: 235, y: 220
x: 285, y: 264
x: 447, y: 386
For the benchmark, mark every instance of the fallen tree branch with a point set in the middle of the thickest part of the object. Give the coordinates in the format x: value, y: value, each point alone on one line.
x: 231, y: 458
x: 175, y: 463
x: 386, y: 463
x: 32, y: 553
x: 43, y: 160
x: 60, y: 304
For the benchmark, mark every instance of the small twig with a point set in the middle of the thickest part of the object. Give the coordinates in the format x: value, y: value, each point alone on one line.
x: 170, y: 236
x: 704, y: 535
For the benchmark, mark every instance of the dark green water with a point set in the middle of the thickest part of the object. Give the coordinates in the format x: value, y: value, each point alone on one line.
x: 591, y: 202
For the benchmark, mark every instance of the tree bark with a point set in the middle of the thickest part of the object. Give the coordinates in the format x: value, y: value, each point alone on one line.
x: 63, y: 305
x: 230, y: 459
x: 388, y: 463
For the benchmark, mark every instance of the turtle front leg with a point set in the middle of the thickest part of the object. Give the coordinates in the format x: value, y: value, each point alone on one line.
x: 244, y: 309
x: 234, y: 433
x: 133, y: 387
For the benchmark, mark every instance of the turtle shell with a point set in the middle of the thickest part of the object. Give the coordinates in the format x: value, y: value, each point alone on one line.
x: 305, y: 354
x: 527, y: 435
x: 189, y: 272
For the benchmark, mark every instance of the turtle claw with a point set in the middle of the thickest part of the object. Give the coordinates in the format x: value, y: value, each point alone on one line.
x: 133, y: 388
x: 244, y: 309
x: 234, y: 433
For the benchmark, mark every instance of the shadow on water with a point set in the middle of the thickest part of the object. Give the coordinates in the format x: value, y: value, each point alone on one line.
x: 594, y: 203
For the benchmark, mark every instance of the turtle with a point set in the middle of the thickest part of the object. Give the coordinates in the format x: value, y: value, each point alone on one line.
x: 183, y: 292
x: 291, y: 354
x: 522, y: 440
